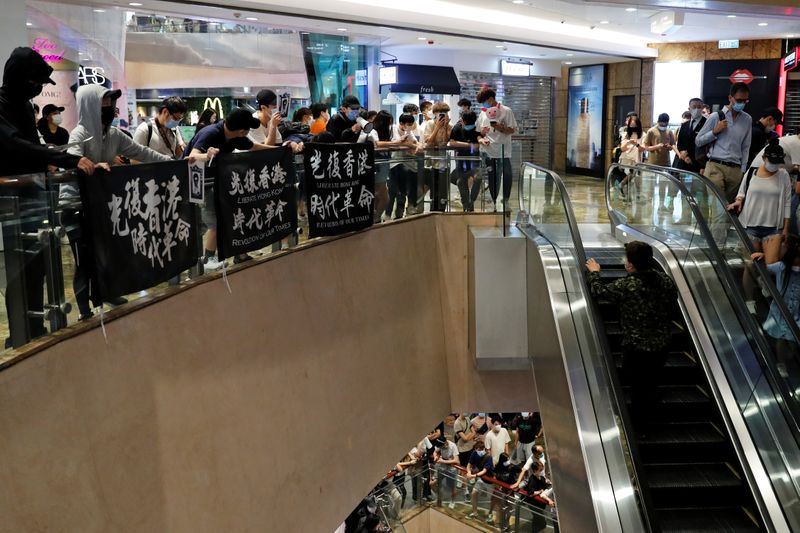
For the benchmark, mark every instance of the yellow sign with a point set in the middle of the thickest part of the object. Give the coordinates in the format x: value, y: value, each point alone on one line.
x: 216, y: 105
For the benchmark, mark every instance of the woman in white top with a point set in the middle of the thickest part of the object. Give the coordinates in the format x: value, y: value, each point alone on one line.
x: 631, y: 148
x: 766, y: 193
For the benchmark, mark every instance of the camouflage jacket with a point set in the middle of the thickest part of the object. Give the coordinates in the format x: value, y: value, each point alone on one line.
x: 644, y: 304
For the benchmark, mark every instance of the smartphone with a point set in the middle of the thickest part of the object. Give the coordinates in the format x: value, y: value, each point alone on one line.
x: 441, y: 115
x: 284, y: 103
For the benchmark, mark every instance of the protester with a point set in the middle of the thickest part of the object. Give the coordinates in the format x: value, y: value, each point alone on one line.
x: 24, y: 77
x: 764, y: 200
x: 162, y: 133
x: 527, y: 428
x: 343, y: 125
x: 223, y: 137
x: 320, y: 116
x: 480, y: 464
x: 445, y: 456
x: 49, y: 126
x: 497, y: 124
x: 436, y: 133
x: 730, y: 142
x: 466, y: 139
x: 645, y: 298
x: 384, y: 132
x: 269, y: 119
x: 95, y: 137
x: 425, y: 111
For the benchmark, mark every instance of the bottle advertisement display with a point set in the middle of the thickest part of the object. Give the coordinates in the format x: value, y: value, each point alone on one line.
x: 586, y: 93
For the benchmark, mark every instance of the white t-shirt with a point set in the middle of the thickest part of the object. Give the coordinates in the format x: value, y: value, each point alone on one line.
x: 790, y: 145
x: 157, y: 142
x: 496, y: 442
x: 449, y: 452
x: 531, y: 459
x: 259, y: 134
x: 500, y: 143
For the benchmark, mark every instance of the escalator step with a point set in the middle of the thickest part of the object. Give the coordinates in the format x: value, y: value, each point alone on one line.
x: 684, y: 394
x: 727, y: 519
x: 613, y: 327
x: 677, y: 359
x: 684, y: 433
x: 691, y: 476
x: 681, y: 442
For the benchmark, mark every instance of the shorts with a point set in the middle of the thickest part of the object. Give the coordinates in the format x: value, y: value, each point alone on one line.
x: 759, y: 233
x: 208, y: 211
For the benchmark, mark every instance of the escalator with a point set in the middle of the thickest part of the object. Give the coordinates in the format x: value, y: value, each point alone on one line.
x: 721, y: 453
x: 690, y: 469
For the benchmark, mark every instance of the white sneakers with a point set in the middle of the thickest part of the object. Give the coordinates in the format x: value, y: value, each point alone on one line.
x: 212, y: 264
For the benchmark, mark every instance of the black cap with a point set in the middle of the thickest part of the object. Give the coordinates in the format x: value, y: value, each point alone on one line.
x: 663, y: 117
x: 632, y: 114
x: 114, y: 94
x: 774, y: 152
x: 50, y: 108
x: 775, y: 113
x: 241, y: 119
x: 266, y: 97
x: 351, y: 102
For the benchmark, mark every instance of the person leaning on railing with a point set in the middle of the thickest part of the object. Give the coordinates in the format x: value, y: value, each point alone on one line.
x: 24, y: 76
x: 480, y: 464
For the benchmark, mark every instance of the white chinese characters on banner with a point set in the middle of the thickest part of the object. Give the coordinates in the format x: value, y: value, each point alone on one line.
x: 149, y: 217
x: 266, y: 188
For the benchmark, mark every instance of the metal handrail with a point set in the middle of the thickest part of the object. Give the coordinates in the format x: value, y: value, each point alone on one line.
x: 609, y: 365
x: 774, y: 294
x: 787, y: 404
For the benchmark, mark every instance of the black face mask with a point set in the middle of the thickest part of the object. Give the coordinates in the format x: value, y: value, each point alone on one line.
x: 28, y: 90
x: 107, y: 115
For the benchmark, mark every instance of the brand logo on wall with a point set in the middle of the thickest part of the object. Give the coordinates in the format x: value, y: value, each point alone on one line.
x: 742, y: 75
x: 50, y: 51
x: 426, y: 90
x: 91, y: 76
x: 216, y: 105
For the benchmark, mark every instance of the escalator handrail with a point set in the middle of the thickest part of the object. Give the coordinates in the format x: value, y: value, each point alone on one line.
x: 609, y: 365
x: 769, y: 284
x: 761, y: 348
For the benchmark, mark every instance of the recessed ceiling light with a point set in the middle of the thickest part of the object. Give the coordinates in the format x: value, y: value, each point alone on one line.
x: 252, y: 18
x: 99, y: 10
x: 498, y: 46
x: 731, y: 16
x: 29, y: 23
x: 422, y: 38
x: 341, y: 29
x: 567, y: 62
x: 630, y: 9
x: 790, y: 36
x: 763, y: 24
x: 517, y: 1
x: 570, y: 55
x: 603, y: 22
x: 135, y: 4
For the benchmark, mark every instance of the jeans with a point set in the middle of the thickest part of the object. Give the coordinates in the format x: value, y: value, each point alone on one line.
x: 466, y: 170
x: 642, y: 369
x: 70, y: 219
x: 499, y: 169
x: 405, y: 181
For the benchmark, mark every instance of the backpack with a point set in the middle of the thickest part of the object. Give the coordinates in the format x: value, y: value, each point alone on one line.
x: 701, y: 152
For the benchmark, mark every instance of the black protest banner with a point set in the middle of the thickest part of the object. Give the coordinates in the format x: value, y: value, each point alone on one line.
x: 139, y: 225
x: 339, y: 187
x: 256, y: 200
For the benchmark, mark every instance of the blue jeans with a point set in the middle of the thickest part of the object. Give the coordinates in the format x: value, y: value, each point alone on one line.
x: 499, y: 169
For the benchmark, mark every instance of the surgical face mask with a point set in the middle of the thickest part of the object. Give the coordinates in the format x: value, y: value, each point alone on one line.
x: 107, y: 115
x: 771, y: 167
x: 525, y: 415
x: 796, y: 268
x: 496, y: 429
x: 662, y: 128
x: 172, y: 123
x: 482, y: 415
x: 738, y: 106
x: 115, y: 122
x: 481, y: 453
x: 697, y: 113
x: 57, y: 119
x: 469, y: 127
x: 353, y: 114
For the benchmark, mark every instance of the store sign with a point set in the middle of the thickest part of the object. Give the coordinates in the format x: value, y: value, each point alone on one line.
x: 91, y: 76
x: 728, y: 44
x: 388, y: 75
x: 361, y: 78
x: 216, y: 105
x: 790, y: 61
x: 340, y: 187
x: 50, y: 51
x: 508, y: 68
x: 138, y: 220
x: 743, y: 75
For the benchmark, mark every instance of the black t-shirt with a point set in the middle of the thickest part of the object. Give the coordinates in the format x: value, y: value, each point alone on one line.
x: 59, y: 138
x: 213, y: 136
x: 461, y: 134
x: 527, y: 429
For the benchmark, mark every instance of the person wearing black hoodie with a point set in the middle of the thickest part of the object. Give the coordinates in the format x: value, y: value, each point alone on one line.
x: 343, y: 125
x: 24, y: 76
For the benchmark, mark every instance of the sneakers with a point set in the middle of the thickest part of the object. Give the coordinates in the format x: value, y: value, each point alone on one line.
x: 490, y: 520
x: 472, y: 516
x: 212, y: 264
x: 452, y: 505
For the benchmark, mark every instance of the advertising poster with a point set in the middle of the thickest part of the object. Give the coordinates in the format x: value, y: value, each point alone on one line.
x: 586, y: 94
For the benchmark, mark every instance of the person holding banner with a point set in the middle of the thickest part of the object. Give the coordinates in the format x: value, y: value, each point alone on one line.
x: 344, y: 125
x: 223, y: 137
x: 162, y: 133
x: 97, y: 138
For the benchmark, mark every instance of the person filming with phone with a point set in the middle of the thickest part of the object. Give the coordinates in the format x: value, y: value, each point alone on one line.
x: 659, y: 142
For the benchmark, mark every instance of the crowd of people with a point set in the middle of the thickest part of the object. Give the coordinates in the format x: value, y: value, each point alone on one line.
x: 405, y: 173
x: 468, y: 457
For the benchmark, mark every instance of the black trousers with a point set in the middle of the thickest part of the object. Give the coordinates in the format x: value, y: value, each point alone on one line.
x: 70, y: 219
x: 642, y: 369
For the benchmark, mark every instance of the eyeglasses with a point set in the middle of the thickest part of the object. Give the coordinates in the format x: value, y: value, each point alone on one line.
x: 741, y: 100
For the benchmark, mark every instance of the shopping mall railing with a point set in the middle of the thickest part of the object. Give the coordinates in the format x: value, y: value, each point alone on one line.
x: 401, y: 496
x: 712, y: 250
x: 546, y: 208
x: 36, y: 224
